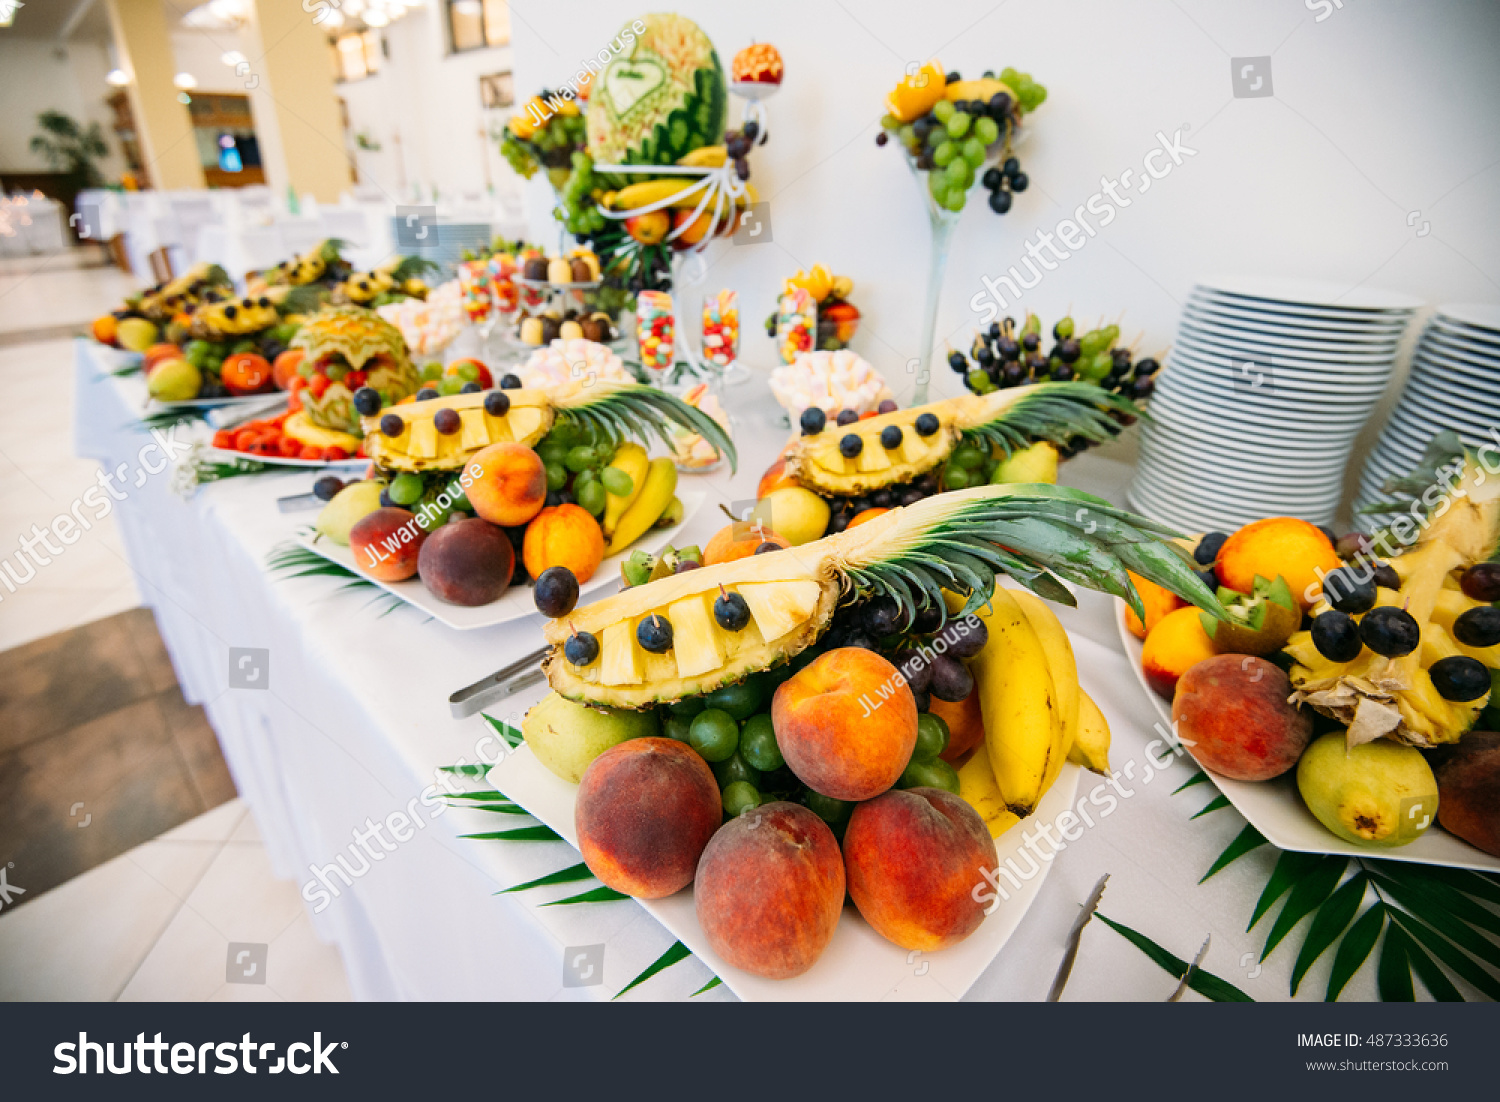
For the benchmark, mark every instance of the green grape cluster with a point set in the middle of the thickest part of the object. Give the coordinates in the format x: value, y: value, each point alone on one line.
x: 578, y: 211
x: 576, y: 459
x: 518, y: 155
x: 1029, y: 94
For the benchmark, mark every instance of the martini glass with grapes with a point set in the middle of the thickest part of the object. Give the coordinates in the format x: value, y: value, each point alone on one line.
x: 949, y: 129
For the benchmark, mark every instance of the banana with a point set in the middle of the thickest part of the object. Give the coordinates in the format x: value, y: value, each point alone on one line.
x: 976, y: 786
x: 657, y: 493
x: 630, y: 458
x: 1022, y: 715
x: 1091, y: 747
x: 1064, y: 669
x: 707, y: 156
x: 648, y: 191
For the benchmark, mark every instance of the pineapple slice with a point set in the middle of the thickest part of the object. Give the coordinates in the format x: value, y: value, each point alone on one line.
x: 420, y: 447
x: 779, y: 607
x: 873, y: 459
x: 621, y: 655
x: 696, y: 642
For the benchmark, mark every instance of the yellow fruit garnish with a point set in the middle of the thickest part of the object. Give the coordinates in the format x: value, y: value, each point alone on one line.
x: 917, y: 92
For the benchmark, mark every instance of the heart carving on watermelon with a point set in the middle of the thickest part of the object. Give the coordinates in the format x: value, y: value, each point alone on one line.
x: 628, y: 81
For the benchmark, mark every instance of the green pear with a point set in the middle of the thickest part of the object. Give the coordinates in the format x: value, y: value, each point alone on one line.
x: 1037, y: 463
x: 1379, y: 793
x: 349, y: 506
x: 566, y: 736
x: 136, y: 334
x: 174, y: 380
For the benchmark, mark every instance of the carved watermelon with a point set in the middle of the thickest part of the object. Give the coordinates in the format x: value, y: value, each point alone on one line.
x: 662, y: 95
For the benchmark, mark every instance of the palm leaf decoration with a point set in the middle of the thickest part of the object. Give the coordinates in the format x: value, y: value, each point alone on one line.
x: 1036, y: 534
x: 623, y: 410
x: 292, y: 560
x: 413, y: 267
x: 1431, y: 923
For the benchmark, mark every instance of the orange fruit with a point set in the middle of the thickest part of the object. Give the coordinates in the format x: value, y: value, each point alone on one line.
x: 738, y: 541
x: 1293, y: 548
x: 158, y: 352
x: 1175, y: 645
x: 563, y: 535
x: 245, y: 373
x: 1157, y: 601
x: 866, y: 514
x: 284, y: 370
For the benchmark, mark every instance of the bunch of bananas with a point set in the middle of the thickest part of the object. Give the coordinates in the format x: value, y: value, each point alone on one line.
x: 1035, y: 714
x: 652, y: 497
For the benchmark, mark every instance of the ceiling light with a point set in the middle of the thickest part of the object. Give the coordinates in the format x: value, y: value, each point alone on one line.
x: 376, y: 17
x: 117, y: 78
x: 185, y: 82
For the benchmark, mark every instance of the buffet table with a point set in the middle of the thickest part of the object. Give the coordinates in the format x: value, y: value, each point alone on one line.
x: 342, y: 719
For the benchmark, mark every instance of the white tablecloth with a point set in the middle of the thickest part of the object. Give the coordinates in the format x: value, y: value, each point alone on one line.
x: 354, y: 721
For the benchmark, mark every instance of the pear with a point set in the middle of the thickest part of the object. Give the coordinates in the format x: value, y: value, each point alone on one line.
x: 136, y: 334
x: 1379, y: 793
x: 174, y: 380
x: 1037, y: 463
x: 566, y: 736
x: 350, y: 505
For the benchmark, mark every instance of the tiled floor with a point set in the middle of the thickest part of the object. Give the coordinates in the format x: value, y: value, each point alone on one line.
x: 157, y: 922
x: 127, y: 865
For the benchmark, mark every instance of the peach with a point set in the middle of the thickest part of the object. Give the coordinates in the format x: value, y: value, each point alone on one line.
x: 1231, y: 712
x: 105, y: 329
x: 1293, y: 548
x: 770, y: 889
x: 965, y: 725
x: 738, y: 541
x: 1175, y: 645
x: 507, y: 484
x: 387, y: 543
x: 646, y: 809
x: 564, y: 535
x: 1157, y: 602
x: 775, y: 479
x: 467, y: 562
x: 913, y: 858
x: 846, y: 724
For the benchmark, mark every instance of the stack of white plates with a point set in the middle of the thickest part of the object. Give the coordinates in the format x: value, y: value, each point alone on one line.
x: 1266, y: 388
x: 1454, y: 384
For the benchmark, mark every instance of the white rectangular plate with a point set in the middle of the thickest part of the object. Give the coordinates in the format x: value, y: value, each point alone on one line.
x: 517, y: 601
x: 859, y: 965
x: 1275, y: 807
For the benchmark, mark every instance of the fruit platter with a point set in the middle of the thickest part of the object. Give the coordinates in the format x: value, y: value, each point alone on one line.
x: 1345, y: 704
x: 869, y: 713
x: 472, y: 493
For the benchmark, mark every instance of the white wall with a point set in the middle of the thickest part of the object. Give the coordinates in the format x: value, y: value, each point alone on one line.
x: 1381, y: 109
x: 38, y: 75
x: 423, y: 108
x: 199, y: 53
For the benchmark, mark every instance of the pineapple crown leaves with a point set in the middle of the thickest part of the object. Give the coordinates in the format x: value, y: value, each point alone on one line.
x: 1056, y: 412
x: 330, y: 251
x: 621, y: 410
x: 1040, y: 535
x: 413, y: 267
x: 305, y: 299
x: 1444, y: 457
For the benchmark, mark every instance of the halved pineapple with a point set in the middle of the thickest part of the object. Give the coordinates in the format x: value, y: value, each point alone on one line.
x: 1007, y: 420
x: 1394, y: 697
x: 613, y: 409
x: 420, y: 447
x: 953, y: 542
